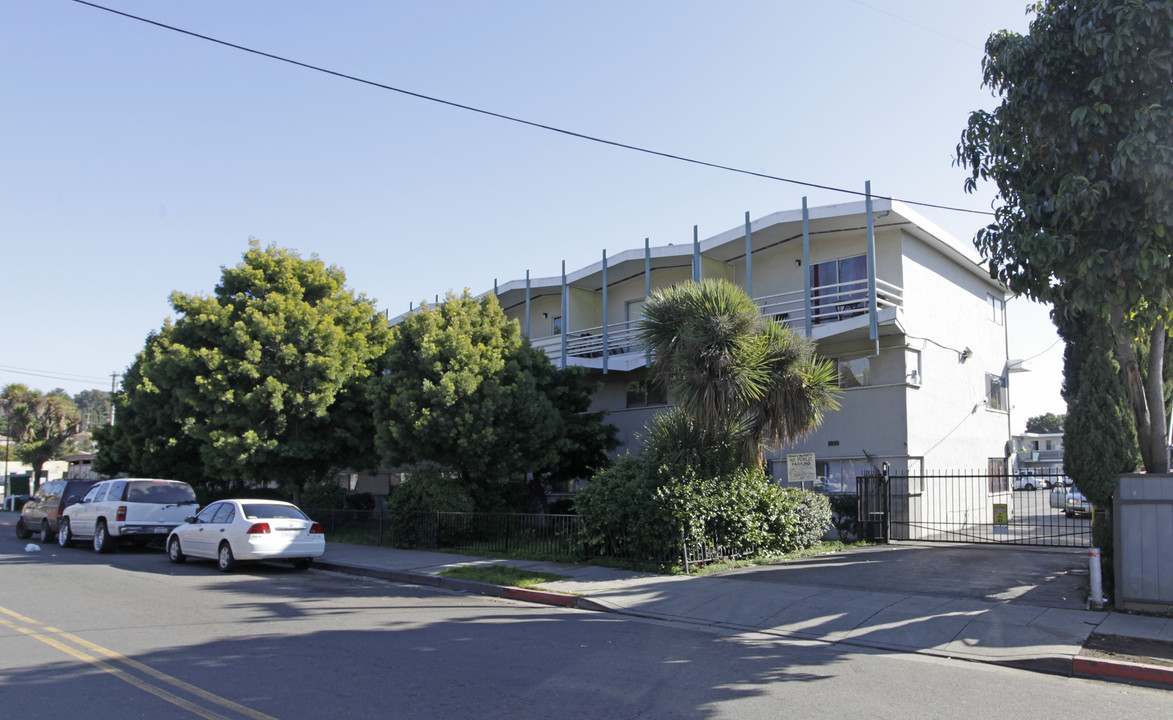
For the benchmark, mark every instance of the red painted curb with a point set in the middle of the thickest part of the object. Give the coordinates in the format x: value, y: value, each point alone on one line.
x: 540, y: 596
x: 1096, y: 668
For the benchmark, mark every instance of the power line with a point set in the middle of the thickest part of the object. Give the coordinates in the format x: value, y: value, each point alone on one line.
x: 530, y: 123
x: 67, y: 377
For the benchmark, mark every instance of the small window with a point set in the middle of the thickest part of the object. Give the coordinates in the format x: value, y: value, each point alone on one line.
x: 641, y: 393
x: 999, y: 480
x: 854, y: 373
x: 996, y: 308
x: 996, y: 396
x: 557, y: 326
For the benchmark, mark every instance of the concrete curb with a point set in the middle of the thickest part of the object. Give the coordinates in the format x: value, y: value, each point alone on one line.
x: 542, y: 597
x: 1115, y: 670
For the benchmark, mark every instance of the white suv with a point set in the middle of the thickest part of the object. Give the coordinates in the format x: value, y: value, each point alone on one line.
x: 126, y: 508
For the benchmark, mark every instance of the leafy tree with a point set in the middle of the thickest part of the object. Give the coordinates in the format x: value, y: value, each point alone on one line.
x: 1081, y: 149
x: 40, y: 423
x: 462, y: 387
x: 1048, y: 423
x: 734, y: 374
x: 93, y: 407
x: 262, y: 381
x: 148, y: 438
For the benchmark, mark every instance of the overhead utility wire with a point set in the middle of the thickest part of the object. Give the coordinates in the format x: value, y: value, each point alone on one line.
x: 530, y: 123
x: 50, y: 375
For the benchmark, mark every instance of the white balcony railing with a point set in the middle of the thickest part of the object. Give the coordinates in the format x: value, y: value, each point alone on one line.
x: 829, y: 304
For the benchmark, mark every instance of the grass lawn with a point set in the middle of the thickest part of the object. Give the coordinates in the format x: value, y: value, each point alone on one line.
x: 502, y: 575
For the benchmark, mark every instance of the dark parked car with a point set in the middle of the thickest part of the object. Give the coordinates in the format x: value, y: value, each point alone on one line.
x: 42, y: 514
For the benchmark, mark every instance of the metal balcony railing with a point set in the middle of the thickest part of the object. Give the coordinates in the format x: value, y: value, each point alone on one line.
x: 829, y: 304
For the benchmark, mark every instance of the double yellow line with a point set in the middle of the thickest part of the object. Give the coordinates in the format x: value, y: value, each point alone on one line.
x: 81, y: 649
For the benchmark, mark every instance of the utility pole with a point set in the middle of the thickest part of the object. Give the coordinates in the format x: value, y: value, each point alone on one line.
x: 113, y: 389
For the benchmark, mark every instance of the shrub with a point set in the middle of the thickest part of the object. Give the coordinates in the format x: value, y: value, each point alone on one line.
x: 360, y: 501
x: 638, y: 511
x: 621, y: 515
x: 799, y: 518
x: 429, y: 488
x: 324, y: 495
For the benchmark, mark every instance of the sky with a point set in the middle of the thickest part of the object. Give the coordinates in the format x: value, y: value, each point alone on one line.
x: 138, y: 161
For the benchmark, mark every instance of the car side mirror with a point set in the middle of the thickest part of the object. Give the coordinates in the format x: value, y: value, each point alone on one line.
x: 189, y: 519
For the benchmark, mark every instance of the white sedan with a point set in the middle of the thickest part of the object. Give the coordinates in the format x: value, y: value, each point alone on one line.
x: 231, y: 531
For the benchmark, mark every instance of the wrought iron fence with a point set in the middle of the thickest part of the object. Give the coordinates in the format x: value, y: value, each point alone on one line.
x: 498, y: 533
x: 514, y: 534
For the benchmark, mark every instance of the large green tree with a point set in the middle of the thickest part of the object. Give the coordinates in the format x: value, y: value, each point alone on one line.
x: 93, y: 407
x: 1047, y: 423
x: 264, y: 380
x: 1081, y: 150
x: 40, y: 423
x: 462, y: 387
x: 740, y: 379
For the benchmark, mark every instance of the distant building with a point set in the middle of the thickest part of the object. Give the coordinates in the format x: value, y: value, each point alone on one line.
x: 81, y: 467
x: 1038, y: 454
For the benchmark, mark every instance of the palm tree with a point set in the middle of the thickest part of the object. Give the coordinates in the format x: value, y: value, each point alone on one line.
x: 733, y: 373
x: 40, y: 423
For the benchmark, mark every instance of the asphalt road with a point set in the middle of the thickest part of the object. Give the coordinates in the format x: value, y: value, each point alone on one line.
x: 132, y: 636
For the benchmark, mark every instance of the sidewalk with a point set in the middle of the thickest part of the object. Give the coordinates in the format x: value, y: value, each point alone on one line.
x: 977, y: 603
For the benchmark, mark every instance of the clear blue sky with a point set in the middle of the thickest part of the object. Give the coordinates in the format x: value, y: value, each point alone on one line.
x: 138, y: 161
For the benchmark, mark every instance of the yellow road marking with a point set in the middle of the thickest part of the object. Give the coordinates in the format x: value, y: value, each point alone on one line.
x: 39, y: 633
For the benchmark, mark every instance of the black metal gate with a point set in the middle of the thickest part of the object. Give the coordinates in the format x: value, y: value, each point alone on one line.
x: 973, y: 508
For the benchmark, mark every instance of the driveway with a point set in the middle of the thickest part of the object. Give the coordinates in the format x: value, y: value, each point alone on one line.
x: 1022, y: 575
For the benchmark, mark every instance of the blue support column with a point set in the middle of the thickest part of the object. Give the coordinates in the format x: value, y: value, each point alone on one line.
x: 647, y: 268
x: 806, y: 267
x: 696, y: 255
x: 605, y: 346
x: 748, y: 258
x: 647, y: 287
x: 873, y: 315
x: 565, y: 313
x: 527, y: 332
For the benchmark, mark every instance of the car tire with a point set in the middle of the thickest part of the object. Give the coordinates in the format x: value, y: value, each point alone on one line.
x: 225, y: 560
x: 22, y: 530
x: 1069, y: 514
x: 64, y: 534
x: 302, y: 563
x: 1030, y: 487
x: 46, y: 532
x: 174, y: 551
x: 103, y: 543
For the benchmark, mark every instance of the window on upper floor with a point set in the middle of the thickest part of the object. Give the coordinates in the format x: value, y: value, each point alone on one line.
x: 995, y: 308
x: 839, y: 288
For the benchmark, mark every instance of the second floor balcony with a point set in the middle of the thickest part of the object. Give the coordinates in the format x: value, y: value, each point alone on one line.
x: 833, y: 310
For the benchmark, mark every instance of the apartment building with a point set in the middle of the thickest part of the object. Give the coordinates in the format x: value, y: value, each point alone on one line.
x: 910, y: 316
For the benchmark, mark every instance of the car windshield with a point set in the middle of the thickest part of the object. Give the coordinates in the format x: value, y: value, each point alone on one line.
x: 147, y: 491
x: 262, y: 511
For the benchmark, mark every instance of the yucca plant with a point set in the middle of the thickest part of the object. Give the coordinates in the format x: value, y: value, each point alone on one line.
x: 733, y: 373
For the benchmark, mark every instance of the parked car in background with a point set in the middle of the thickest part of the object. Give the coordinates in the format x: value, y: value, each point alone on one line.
x: 232, y: 531
x: 42, y: 514
x: 1076, y: 504
x: 1058, y: 498
x: 128, y: 508
x: 1027, y: 481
